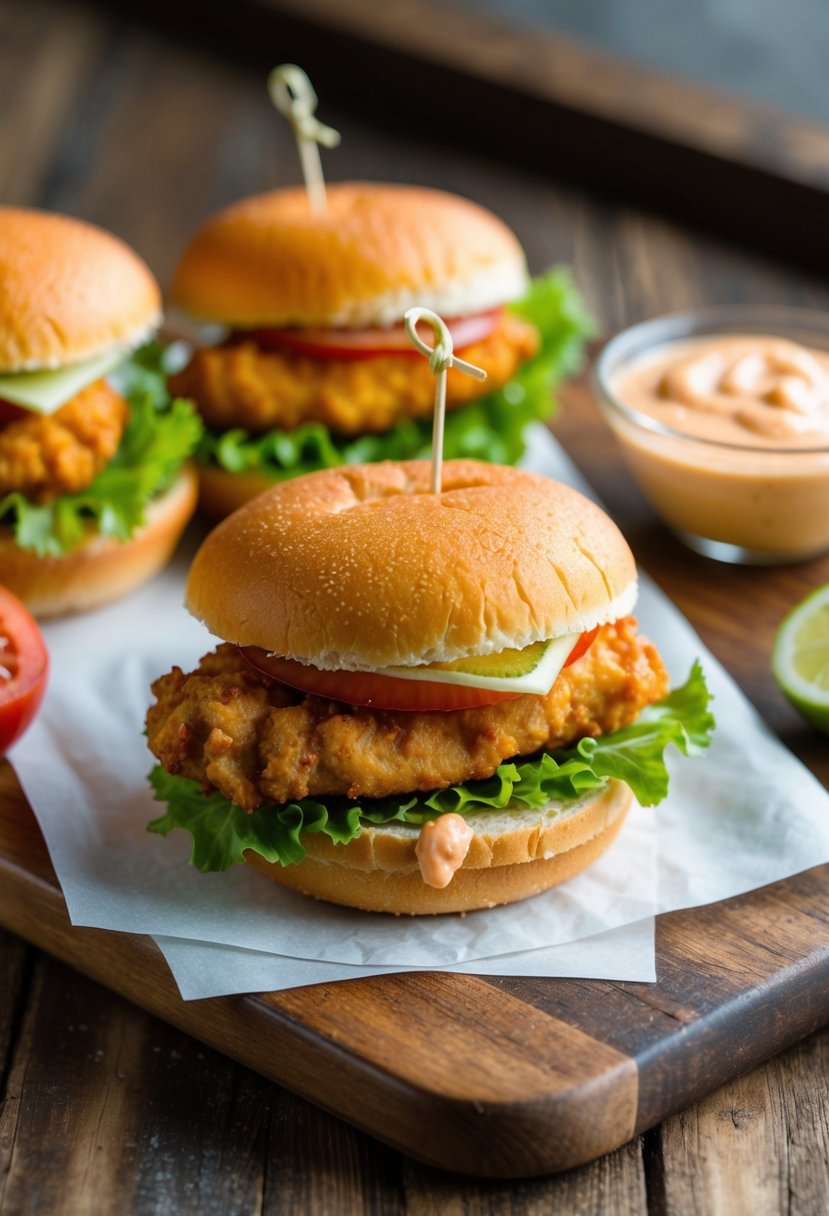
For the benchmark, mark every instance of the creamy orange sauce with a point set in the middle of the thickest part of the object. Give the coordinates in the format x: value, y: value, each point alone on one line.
x: 734, y: 389
x: 744, y: 457
x: 441, y: 848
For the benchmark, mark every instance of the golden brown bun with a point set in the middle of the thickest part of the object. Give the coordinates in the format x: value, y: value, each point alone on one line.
x: 375, y: 251
x: 70, y: 291
x: 363, y: 567
x: 101, y: 569
x: 221, y: 493
x: 512, y: 856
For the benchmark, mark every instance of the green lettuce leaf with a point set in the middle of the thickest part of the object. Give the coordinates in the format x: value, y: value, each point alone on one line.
x: 222, y: 832
x: 161, y: 434
x: 491, y: 428
x: 556, y: 309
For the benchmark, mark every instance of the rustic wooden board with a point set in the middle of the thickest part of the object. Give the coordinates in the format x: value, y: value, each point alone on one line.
x: 517, y: 1077
x: 506, y: 1078
x: 101, y: 1107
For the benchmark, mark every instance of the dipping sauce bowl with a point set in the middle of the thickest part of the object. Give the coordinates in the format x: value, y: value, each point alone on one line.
x: 723, y: 418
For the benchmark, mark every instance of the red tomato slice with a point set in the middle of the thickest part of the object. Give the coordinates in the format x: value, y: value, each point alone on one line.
x: 24, y: 663
x: 365, y: 343
x: 582, y: 646
x: 366, y: 688
x: 385, y: 692
x: 10, y: 412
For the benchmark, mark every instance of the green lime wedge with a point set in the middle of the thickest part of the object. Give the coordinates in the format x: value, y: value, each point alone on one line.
x: 800, y: 658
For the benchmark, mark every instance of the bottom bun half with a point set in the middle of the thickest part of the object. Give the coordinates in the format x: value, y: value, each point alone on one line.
x: 513, y: 854
x: 101, y: 569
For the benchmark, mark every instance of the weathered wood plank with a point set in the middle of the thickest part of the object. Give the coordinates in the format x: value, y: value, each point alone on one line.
x: 106, y: 1102
x: 14, y: 982
x: 173, y: 126
x: 12, y: 1097
x: 615, y: 1184
x: 316, y: 1163
x: 16, y: 963
x: 760, y: 1144
x: 541, y: 100
x: 46, y: 58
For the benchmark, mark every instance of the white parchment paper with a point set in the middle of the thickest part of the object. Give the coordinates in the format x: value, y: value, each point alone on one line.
x: 84, y: 766
x: 204, y: 969
x: 744, y: 815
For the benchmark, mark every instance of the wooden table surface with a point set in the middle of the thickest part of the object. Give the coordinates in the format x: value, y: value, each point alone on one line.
x: 103, y: 1108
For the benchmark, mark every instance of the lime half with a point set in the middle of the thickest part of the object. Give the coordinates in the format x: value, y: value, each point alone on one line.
x: 800, y: 658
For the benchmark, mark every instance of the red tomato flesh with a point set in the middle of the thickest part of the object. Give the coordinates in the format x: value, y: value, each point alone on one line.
x: 368, y: 343
x: 582, y: 646
x: 24, y: 663
x: 10, y: 412
x: 366, y: 688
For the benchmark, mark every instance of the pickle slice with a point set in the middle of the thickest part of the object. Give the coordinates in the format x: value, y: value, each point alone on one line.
x: 531, y: 670
x: 504, y: 665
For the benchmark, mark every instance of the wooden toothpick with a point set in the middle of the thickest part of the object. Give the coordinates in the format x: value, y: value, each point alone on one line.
x: 440, y: 358
x: 293, y: 95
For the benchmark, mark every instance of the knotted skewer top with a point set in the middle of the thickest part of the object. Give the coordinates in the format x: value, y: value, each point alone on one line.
x: 441, y: 357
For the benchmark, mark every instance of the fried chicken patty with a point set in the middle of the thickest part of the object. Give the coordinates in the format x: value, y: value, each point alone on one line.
x: 44, y: 456
x: 257, y: 741
x: 241, y: 385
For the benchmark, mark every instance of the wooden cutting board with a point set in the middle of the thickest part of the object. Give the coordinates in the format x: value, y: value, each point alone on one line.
x: 517, y: 1077
x: 502, y: 1078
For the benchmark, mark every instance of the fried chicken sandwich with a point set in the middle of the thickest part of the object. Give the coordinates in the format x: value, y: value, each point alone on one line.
x: 424, y: 702
x: 314, y: 369
x: 93, y: 488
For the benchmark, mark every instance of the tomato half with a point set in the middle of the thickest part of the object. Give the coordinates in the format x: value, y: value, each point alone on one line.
x: 582, y: 646
x: 367, y: 689
x: 366, y: 343
x: 24, y: 663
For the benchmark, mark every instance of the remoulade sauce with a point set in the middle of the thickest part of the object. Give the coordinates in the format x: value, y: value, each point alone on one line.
x: 441, y: 848
x: 728, y: 436
x: 734, y: 389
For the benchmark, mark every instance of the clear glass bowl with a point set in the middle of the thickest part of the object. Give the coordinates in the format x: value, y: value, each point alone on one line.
x: 757, y: 505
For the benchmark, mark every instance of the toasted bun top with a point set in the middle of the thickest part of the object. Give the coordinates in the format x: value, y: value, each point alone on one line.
x: 363, y: 567
x: 374, y: 252
x: 68, y: 291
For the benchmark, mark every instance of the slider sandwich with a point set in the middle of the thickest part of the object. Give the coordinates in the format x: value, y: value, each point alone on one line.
x: 94, y: 489
x: 313, y: 369
x: 424, y: 702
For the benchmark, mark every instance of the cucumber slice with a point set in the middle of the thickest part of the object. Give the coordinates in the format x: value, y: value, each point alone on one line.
x: 531, y: 670
x: 44, y: 392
